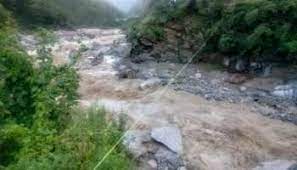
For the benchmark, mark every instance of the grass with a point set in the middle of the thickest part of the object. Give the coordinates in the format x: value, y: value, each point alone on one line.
x: 86, y: 139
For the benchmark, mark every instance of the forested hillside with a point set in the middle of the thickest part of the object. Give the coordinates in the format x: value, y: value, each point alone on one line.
x: 63, y: 12
x: 251, y: 30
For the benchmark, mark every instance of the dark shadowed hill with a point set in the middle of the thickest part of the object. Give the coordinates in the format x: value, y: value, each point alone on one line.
x: 63, y: 12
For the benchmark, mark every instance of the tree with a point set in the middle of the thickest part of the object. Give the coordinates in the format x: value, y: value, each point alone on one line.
x: 192, y: 5
x: 20, y: 6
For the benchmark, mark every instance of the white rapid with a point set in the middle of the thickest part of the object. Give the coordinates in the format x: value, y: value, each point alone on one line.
x: 216, y: 135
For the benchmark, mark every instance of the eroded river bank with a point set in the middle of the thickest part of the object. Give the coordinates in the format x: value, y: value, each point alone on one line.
x: 221, y: 125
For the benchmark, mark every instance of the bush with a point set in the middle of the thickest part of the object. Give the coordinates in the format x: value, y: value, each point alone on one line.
x: 85, y: 140
x: 16, y: 74
x: 5, y: 18
x: 256, y: 29
x: 39, y: 126
x: 147, y: 31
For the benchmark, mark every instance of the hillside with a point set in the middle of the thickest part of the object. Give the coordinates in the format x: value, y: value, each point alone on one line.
x: 249, y: 31
x: 63, y: 12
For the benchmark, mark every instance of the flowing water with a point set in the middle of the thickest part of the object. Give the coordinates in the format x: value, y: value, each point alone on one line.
x: 216, y: 134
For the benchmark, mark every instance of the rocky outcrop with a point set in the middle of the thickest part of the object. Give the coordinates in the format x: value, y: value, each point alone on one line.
x: 178, y: 45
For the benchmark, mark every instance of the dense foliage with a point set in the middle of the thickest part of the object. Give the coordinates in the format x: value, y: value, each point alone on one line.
x: 39, y: 127
x: 255, y: 30
x: 40, y: 124
x: 151, y: 26
x: 260, y: 29
x: 63, y: 12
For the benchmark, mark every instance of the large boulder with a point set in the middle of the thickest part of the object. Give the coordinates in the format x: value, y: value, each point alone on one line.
x: 170, y: 137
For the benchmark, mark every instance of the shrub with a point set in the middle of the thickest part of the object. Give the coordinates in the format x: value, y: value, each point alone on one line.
x: 85, y: 140
x: 256, y: 29
x: 16, y: 73
x: 40, y: 128
x: 5, y: 18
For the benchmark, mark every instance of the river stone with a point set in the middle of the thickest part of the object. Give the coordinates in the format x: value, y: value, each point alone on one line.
x: 127, y: 73
x: 267, y: 70
x: 275, y: 165
x: 226, y: 62
x: 167, y: 159
x: 170, y: 137
x: 182, y: 168
x: 241, y: 65
x: 153, y: 164
x: 293, y: 167
x: 236, y: 78
x: 198, y: 75
x: 285, y: 91
x: 134, y: 141
x: 149, y: 84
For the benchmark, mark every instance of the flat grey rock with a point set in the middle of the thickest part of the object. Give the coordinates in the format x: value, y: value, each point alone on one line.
x: 170, y: 137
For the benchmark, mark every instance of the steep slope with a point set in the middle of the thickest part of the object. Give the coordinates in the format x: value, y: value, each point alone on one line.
x: 250, y: 31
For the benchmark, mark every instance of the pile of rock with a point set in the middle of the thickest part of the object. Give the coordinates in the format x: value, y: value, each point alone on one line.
x: 242, y: 65
x: 288, y: 91
x: 161, y: 148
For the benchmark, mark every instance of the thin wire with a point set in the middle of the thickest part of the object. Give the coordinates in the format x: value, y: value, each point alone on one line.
x: 161, y: 94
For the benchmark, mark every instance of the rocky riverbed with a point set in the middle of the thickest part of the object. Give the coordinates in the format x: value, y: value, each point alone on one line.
x: 200, y: 118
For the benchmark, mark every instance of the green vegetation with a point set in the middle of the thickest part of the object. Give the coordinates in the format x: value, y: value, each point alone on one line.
x: 40, y: 129
x: 40, y: 124
x: 255, y: 30
x: 263, y: 28
x: 7, y: 28
x: 62, y: 12
x: 152, y: 25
